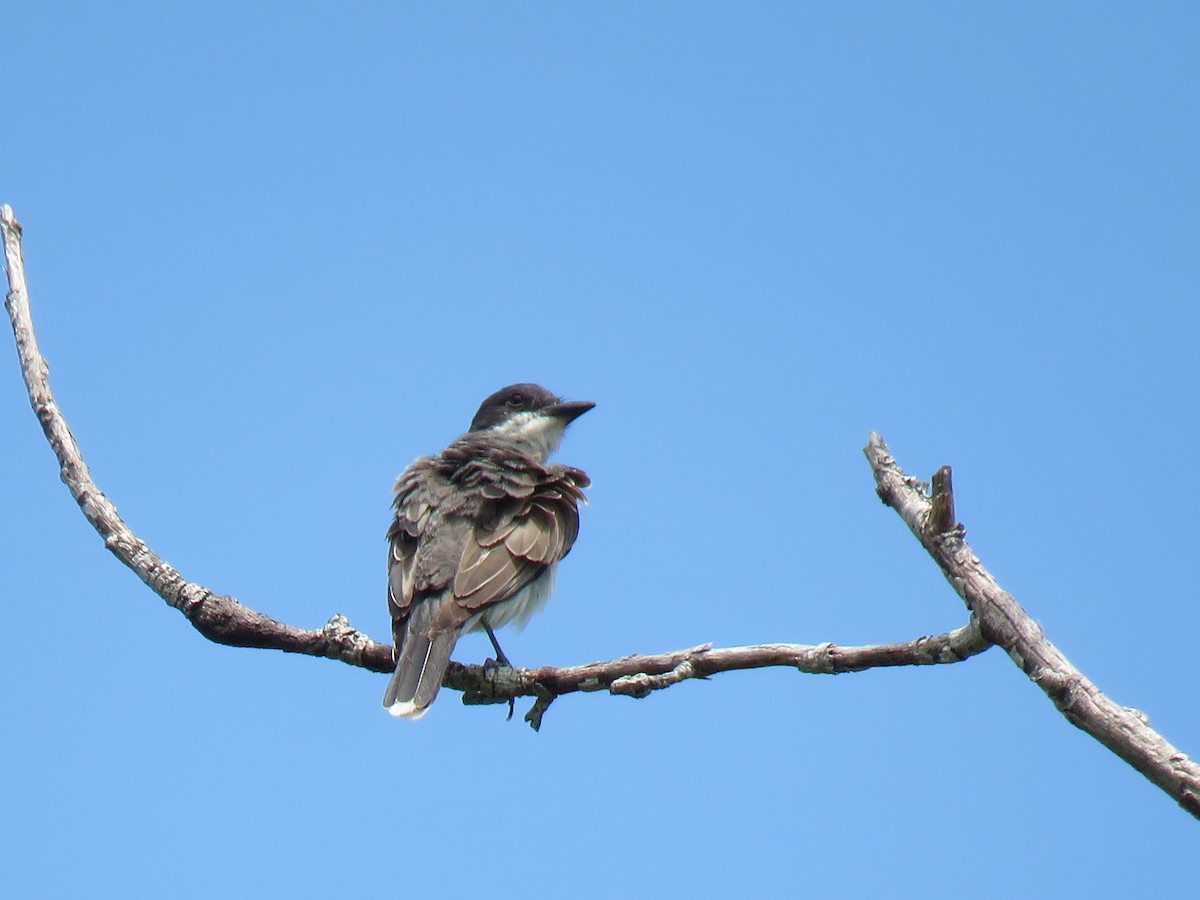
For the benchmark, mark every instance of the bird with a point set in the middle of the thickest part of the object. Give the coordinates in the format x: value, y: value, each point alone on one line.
x: 477, y: 536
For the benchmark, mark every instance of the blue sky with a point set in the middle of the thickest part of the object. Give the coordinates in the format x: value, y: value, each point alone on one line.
x: 277, y: 252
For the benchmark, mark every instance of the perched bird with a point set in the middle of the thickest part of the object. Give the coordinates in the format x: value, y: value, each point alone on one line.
x: 478, y: 533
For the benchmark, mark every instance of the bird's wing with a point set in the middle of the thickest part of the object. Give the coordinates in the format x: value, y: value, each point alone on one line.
x: 425, y: 541
x: 415, y: 568
x: 530, y: 525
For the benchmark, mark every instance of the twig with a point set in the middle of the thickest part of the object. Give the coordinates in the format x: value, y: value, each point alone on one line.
x: 1124, y: 731
x: 941, y: 512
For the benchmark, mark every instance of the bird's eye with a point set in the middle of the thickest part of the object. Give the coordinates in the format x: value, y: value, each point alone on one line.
x: 515, y: 401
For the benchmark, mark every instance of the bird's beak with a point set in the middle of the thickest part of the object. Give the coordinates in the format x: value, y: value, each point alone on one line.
x: 569, y: 410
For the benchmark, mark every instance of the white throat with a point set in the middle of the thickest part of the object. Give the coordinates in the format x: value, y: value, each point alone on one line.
x: 539, y: 434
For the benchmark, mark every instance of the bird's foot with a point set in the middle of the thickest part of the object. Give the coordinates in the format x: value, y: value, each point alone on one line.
x: 502, y: 662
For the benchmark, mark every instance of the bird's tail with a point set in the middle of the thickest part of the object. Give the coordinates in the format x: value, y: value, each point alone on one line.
x: 424, y: 658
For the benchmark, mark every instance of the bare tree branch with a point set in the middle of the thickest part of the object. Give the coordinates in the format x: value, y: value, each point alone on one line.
x: 1126, y: 732
x: 219, y: 618
x: 224, y: 620
x: 995, y: 615
x: 639, y: 676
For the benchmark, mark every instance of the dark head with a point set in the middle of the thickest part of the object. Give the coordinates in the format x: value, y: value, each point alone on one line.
x: 529, y: 414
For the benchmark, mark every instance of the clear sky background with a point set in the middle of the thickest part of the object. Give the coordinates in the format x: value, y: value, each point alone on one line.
x: 276, y: 251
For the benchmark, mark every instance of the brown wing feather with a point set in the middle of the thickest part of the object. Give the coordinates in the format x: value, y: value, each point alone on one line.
x: 524, y: 537
x: 522, y: 540
x: 480, y: 567
x: 545, y: 547
x: 415, y: 499
x: 500, y: 576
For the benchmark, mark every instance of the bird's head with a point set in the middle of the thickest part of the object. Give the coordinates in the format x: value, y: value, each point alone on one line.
x: 528, y: 415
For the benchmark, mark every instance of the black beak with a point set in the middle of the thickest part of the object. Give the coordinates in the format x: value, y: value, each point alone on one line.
x: 568, y: 410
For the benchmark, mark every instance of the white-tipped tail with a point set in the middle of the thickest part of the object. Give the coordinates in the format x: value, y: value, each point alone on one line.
x: 423, y: 659
x: 408, y: 710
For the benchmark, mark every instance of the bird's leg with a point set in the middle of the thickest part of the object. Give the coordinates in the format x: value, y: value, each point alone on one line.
x: 502, y: 660
x: 500, y: 657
